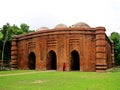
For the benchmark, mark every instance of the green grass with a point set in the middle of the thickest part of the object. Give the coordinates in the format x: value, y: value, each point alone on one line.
x: 109, y: 80
x: 15, y: 71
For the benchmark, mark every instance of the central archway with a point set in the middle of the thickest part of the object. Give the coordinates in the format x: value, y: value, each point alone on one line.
x: 51, y: 60
x: 75, y: 61
x: 31, y: 61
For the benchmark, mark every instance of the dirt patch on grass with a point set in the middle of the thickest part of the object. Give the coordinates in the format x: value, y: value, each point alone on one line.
x: 38, y: 81
x: 25, y: 73
x: 17, y: 74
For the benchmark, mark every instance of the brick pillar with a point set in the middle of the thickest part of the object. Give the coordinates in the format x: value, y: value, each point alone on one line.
x: 14, y: 54
x: 101, y: 63
x: 112, y: 56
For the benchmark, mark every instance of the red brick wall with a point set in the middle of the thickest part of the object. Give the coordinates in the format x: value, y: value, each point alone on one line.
x: 88, y: 42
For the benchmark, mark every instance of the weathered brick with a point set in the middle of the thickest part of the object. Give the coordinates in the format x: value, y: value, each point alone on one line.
x: 83, y: 49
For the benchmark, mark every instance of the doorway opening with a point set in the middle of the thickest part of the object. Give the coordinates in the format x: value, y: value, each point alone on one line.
x: 75, y: 61
x: 31, y: 61
x: 51, y: 60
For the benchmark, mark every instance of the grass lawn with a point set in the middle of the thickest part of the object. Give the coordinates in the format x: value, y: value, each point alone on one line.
x: 55, y: 80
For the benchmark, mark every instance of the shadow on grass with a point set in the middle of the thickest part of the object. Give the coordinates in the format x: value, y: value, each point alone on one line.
x: 114, y: 69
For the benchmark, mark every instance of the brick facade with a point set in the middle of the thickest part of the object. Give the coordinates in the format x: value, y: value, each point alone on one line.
x: 80, y: 48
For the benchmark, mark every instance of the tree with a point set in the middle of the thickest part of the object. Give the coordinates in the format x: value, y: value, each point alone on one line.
x: 16, y: 30
x: 24, y: 27
x: 6, y: 33
x: 115, y: 37
x: 5, y: 30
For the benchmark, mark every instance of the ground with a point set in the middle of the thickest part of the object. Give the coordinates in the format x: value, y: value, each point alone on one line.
x: 58, y: 80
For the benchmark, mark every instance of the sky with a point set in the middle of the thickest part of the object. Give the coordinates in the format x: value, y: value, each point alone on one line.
x: 49, y: 13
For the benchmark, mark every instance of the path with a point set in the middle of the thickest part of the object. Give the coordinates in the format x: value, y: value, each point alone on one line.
x: 24, y: 73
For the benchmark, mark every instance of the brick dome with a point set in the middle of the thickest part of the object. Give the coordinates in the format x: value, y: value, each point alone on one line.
x: 80, y: 25
x: 42, y: 28
x: 61, y: 26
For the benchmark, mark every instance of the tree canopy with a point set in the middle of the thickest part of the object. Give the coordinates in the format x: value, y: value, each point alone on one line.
x: 6, y: 33
x: 115, y: 37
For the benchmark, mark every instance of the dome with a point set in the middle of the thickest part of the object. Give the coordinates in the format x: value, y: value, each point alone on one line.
x: 81, y: 25
x: 61, y: 26
x: 42, y: 28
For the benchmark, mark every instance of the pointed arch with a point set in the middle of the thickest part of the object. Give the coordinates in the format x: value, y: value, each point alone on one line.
x: 32, y: 60
x: 75, y: 60
x: 51, y: 60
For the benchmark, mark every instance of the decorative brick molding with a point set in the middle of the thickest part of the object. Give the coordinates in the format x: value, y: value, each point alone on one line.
x: 90, y: 47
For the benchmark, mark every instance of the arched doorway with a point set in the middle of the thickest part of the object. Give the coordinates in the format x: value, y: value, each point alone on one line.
x: 51, y: 60
x: 75, y: 61
x: 31, y: 61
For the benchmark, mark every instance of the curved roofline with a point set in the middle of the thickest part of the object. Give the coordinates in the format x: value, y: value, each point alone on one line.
x: 80, y: 25
x: 54, y: 31
x: 60, y: 26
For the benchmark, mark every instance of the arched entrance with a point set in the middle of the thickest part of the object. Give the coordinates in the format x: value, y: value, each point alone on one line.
x: 31, y: 61
x: 75, y: 61
x: 51, y: 60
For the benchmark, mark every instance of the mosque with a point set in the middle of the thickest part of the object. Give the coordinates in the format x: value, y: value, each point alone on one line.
x: 80, y: 47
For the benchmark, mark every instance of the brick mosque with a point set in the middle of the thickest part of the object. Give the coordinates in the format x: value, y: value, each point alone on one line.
x: 80, y: 47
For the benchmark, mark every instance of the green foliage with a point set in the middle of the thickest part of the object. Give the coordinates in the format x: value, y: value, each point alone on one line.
x: 5, y: 30
x: 115, y: 37
x: 1, y: 35
x: 16, y: 30
x: 6, y: 33
x: 24, y: 27
x: 36, y: 80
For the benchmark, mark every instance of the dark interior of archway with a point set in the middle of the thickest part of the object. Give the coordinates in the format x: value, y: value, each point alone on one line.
x: 75, y: 63
x: 51, y: 61
x: 31, y: 62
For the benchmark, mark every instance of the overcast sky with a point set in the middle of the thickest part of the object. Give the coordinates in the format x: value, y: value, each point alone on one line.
x: 49, y: 13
